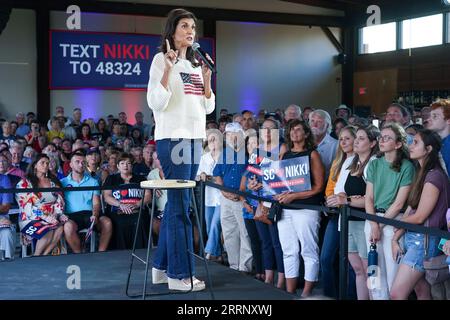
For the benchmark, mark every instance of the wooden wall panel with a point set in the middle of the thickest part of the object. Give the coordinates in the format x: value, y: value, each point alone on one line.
x: 426, y: 69
x: 380, y: 89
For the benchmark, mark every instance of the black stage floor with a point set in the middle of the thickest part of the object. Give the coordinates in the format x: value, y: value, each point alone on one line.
x: 103, y: 276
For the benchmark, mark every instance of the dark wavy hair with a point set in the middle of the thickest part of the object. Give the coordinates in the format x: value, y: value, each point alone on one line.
x: 173, y: 18
x: 309, y: 139
x: 31, y: 174
x: 432, y: 139
x: 247, y: 138
x: 372, y: 133
x: 402, y: 153
x: 80, y: 135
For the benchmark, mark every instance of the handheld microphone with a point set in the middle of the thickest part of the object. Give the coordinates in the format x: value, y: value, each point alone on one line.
x: 202, y: 54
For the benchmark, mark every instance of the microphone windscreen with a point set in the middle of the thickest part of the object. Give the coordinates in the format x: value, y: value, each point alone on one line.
x: 195, y: 46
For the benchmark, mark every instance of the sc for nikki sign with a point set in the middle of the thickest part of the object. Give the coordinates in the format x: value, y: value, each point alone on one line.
x: 292, y: 175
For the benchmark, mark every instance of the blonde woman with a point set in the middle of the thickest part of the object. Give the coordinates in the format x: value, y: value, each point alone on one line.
x: 330, y: 245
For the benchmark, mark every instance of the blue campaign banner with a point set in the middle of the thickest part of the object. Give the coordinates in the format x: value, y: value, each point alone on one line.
x: 103, y: 60
x: 292, y: 175
x: 36, y: 229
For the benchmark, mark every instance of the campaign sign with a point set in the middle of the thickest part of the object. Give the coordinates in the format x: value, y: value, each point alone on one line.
x: 38, y: 228
x: 292, y: 175
x: 104, y: 60
x: 132, y: 196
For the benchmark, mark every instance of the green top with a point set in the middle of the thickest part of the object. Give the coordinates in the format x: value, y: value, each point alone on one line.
x: 386, y: 182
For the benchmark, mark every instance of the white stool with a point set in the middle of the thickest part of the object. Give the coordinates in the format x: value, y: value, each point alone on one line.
x: 164, y: 185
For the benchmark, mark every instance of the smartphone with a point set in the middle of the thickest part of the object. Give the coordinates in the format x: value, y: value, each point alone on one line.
x: 441, y: 244
x: 376, y: 123
x: 399, y: 258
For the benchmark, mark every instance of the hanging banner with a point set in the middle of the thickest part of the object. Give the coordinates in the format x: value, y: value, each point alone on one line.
x: 101, y: 60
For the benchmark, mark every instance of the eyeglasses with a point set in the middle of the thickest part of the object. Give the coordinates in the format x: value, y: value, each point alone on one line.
x: 385, y: 138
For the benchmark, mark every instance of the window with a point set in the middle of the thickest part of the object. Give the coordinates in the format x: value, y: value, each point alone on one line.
x: 378, y: 38
x: 422, y: 32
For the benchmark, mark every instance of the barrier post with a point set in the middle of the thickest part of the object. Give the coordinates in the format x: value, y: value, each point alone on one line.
x: 343, y: 257
x: 202, y: 214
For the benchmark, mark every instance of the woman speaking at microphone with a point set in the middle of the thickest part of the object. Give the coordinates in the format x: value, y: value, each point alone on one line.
x: 180, y: 95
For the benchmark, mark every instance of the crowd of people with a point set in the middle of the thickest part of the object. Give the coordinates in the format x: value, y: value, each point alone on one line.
x: 398, y: 170
x: 69, y: 152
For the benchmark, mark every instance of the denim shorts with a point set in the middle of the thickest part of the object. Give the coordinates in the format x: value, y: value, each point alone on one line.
x: 357, y: 238
x: 414, y: 248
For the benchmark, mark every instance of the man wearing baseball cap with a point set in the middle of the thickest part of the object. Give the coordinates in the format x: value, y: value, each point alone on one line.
x: 228, y: 172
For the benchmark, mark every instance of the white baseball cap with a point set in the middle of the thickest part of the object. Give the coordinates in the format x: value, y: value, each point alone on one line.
x: 234, y: 127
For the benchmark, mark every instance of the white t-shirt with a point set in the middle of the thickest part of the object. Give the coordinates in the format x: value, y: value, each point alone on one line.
x: 212, y: 195
x: 160, y: 201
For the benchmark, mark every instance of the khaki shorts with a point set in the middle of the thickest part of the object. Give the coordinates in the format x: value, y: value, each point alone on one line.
x: 357, y: 238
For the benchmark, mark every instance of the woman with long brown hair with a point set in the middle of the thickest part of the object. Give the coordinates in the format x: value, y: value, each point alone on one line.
x: 350, y: 190
x: 427, y: 205
x: 47, y: 208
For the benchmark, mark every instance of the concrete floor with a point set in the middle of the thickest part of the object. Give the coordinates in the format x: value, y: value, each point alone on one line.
x: 103, y: 276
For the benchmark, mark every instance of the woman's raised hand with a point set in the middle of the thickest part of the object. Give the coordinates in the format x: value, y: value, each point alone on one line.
x: 170, y: 57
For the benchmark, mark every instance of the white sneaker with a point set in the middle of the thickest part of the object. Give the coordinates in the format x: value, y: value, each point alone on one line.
x: 185, y: 284
x: 159, y: 276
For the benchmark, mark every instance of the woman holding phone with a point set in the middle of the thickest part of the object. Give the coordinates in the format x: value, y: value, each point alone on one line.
x: 179, y: 93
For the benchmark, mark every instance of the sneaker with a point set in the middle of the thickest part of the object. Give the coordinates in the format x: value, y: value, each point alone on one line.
x: 185, y: 284
x: 159, y: 276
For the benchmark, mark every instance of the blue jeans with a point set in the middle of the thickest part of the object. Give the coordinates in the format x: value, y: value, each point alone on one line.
x: 171, y: 254
x: 329, y: 269
x: 213, y: 229
x: 271, y: 247
x: 328, y: 257
x: 255, y: 244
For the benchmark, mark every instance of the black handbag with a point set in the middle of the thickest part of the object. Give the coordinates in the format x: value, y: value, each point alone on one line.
x: 275, y: 212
